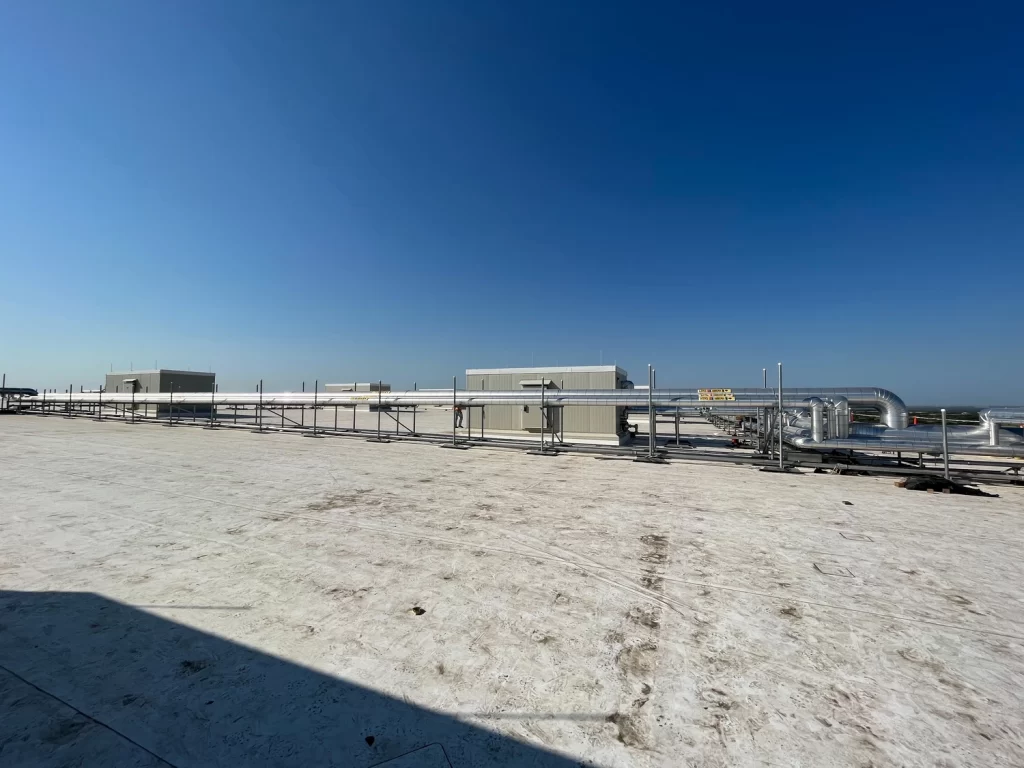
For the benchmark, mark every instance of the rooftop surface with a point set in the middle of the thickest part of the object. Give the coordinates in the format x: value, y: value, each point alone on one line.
x: 175, y: 596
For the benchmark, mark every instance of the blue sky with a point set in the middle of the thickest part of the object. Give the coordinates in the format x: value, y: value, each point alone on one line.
x: 402, y: 190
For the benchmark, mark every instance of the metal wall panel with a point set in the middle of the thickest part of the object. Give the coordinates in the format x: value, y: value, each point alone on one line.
x: 185, y: 382
x: 577, y: 419
x: 160, y: 381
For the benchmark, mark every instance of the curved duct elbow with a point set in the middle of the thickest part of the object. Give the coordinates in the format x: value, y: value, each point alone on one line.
x: 892, y: 409
x: 1002, y: 414
x: 992, y: 417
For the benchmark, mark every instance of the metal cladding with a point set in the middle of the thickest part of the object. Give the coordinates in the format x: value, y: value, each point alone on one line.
x: 891, y: 408
x: 817, y: 418
x: 915, y: 445
x: 925, y: 438
x: 841, y: 413
x: 1002, y: 414
x: 892, y: 434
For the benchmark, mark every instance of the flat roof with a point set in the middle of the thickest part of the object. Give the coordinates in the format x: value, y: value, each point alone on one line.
x: 160, y: 370
x: 549, y: 369
x: 377, y: 587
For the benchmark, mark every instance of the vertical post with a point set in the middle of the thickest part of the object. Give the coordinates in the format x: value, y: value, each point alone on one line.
x: 454, y: 404
x: 302, y: 409
x: 781, y: 463
x: 677, y: 426
x: 259, y: 416
x: 650, y: 411
x: 379, y: 384
x: 483, y: 409
x: 945, y: 446
x: 3, y: 398
x: 335, y: 417
x: 316, y: 387
x: 764, y: 413
x: 213, y: 395
x: 414, y: 407
x: 353, y: 414
x: 543, y: 386
x: 763, y: 426
x: 100, y: 408
x: 71, y: 389
x: 561, y: 415
x: 133, y: 403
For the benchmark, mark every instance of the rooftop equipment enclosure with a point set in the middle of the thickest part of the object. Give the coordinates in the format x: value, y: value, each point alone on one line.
x: 589, y: 424
x: 161, y: 380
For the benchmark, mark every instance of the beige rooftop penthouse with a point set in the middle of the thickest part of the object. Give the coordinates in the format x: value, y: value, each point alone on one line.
x: 592, y: 424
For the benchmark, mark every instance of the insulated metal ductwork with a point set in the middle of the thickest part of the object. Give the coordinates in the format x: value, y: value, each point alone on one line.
x: 891, y: 434
x: 817, y: 419
x: 910, y: 445
x: 841, y: 412
x: 992, y: 417
x: 891, y: 408
x: 925, y: 438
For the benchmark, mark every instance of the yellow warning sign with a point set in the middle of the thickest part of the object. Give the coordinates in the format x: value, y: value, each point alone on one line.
x: 715, y: 394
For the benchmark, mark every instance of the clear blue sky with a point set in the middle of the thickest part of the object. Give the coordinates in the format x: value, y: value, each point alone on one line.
x: 402, y: 190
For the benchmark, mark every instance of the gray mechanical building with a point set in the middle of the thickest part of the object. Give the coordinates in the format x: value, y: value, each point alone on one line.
x: 162, y: 380
x: 594, y: 424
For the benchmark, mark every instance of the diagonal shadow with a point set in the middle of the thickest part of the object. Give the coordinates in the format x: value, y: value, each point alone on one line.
x: 85, y: 680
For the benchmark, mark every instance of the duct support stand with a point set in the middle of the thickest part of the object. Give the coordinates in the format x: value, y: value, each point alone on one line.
x: 650, y: 460
x: 316, y: 394
x: 539, y: 452
x: 213, y: 408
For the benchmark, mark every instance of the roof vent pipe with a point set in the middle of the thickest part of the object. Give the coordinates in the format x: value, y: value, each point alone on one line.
x: 842, y: 411
x: 817, y: 419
